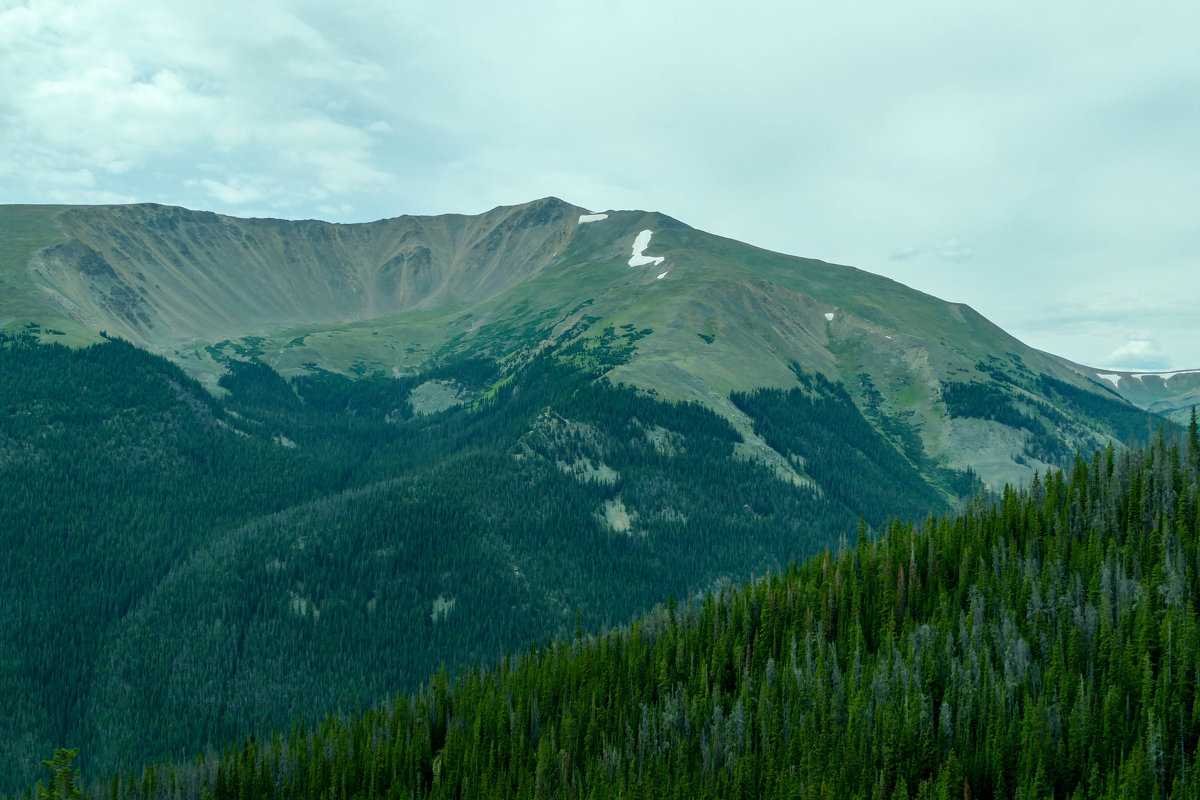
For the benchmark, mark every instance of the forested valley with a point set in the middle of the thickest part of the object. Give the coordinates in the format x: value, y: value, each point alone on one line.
x: 179, y: 570
x: 1041, y: 644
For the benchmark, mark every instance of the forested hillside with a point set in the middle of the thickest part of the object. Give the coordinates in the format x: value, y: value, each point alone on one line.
x: 178, y: 570
x: 1040, y: 644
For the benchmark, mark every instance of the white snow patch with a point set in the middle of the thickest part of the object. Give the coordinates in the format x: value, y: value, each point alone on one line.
x: 829, y: 316
x: 591, y: 218
x: 662, y: 275
x: 1112, y: 378
x: 639, y: 248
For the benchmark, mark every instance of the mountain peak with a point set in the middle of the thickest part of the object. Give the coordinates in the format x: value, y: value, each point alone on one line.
x: 703, y: 316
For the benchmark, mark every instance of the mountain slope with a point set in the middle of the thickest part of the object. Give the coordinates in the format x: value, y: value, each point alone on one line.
x: 397, y: 296
x: 158, y: 275
x: 549, y: 423
x: 1171, y: 394
x: 178, y: 570
x: 1045, y: 645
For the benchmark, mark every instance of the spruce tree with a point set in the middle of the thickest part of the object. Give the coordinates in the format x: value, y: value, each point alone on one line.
x: 64, y: 780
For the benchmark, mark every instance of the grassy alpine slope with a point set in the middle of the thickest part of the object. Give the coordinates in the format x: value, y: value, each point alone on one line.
x: 399, y: 296
x: 1042, y: 645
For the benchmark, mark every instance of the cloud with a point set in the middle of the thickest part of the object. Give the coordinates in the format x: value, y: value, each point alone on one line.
x: 185, y: 105
x: 954, y: 250
x: 240, y: 190
x: 1138, y: 354
x: 905, y: 253
x: 951, y: 250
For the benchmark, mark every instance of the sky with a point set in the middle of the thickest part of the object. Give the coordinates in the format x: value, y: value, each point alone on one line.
x: 1039, y: 162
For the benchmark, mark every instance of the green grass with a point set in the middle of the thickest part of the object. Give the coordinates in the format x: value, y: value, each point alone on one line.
x: 23, y: 231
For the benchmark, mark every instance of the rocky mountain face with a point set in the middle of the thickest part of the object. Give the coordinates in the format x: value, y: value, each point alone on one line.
x: 159, y: 275
x: 399, y: 295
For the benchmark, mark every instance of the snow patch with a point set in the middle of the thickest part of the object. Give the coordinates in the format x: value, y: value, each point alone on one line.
x: 1112, y: 378
x: 829, y: 316
x: 640, y: 244
x: 662, y: 275
x: 591, y: 218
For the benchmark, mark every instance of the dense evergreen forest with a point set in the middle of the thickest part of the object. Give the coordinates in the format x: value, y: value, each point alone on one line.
x: 179, y: 569
x: 819, y: 425
x: 1041, y: 644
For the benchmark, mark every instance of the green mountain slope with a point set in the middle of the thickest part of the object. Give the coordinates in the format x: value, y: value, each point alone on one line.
x: 339, y: 456
x: 1042, y: 645
x: 399, y: 296
x: 180, y: 569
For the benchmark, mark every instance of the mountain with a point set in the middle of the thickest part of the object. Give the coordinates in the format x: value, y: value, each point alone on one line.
x: 255, y: 470
x: 395, y: 296
x: 1042, y: 646
x: 1171, y: 394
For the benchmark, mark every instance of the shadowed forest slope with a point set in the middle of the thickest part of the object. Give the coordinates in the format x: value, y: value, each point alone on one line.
x: 1042, y: 644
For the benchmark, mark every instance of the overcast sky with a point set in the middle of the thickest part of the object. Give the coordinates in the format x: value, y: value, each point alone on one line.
x: 1037, y: 161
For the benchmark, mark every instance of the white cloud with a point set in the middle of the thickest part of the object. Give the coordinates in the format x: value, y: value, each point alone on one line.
x: 240, y: 190
x: 905, y: 253
x: 953, y: 250
x: 147, y: 96
x: 949, y: 250
x: 1138, y: 354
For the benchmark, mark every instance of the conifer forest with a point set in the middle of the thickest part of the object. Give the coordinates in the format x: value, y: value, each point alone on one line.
x: 1041, y: 642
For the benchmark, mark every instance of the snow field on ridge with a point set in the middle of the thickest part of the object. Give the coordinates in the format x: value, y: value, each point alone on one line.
x: 640, y: 244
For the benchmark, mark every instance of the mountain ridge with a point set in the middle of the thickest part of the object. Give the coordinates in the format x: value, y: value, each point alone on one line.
x: 264, y: 526
x: 402, y: 294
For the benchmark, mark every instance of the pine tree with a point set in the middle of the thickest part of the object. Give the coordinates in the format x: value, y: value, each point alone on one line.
x: 64, y: 780
x: 1194, y: 439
